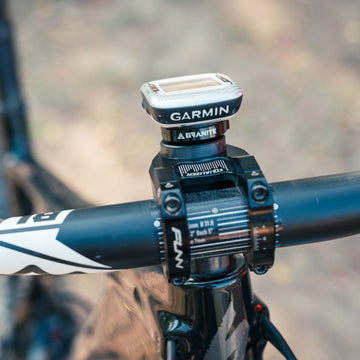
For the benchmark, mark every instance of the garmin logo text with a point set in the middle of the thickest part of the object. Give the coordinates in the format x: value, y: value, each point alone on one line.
x: 201, y: 114
x: 177, y: 243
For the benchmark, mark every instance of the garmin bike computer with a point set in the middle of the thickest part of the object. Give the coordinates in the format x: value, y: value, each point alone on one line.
x: 191, y: 100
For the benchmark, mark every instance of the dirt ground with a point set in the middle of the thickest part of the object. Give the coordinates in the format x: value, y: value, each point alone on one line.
x: 298, y: 63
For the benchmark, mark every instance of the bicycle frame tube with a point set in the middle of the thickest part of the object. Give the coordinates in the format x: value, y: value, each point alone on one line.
x: 14, y: 111
x: 142, y: 316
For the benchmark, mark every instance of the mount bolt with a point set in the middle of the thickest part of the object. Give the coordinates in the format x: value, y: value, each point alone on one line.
x: 259, y: 192
x: 261, y: 270
x: 172, y: 204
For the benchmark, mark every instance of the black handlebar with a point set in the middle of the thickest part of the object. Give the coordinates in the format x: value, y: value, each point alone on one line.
x: 130, y: 235
x: 81, y: 241
x: 317, y: 209
x: 119, y: 236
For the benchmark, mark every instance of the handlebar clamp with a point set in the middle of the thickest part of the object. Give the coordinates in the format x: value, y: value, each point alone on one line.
x: 174, y: 224
x: 166, y: 175
x: 261, y: 213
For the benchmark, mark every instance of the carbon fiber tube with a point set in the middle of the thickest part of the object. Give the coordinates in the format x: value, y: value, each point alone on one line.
x: 317, y: 209
x: 97, y: 239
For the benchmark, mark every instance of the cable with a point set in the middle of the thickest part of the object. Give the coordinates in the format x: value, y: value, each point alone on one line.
x: 272, y: 334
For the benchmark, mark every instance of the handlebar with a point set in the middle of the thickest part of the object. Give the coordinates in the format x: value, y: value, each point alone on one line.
x: 317, y: 209
x: 81, y: 241
x: 130, y: 235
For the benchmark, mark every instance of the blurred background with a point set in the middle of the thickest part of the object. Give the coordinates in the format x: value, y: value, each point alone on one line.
x: 298, y: 62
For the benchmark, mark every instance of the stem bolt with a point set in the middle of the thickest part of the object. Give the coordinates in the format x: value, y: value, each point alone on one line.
x: 259, y: 192
x: 172, y: 204
x: 261, y: 270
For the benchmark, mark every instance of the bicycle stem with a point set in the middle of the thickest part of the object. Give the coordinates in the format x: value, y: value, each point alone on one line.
x: 189, y: 176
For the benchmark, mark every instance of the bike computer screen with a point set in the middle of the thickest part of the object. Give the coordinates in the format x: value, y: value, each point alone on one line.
x: 191, y: 100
